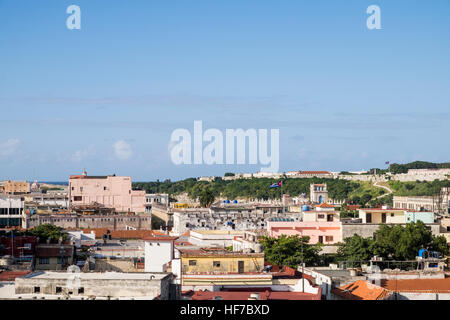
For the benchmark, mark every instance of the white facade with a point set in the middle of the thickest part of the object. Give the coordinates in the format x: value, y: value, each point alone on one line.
x: 11, y: 211
x: 158, y: 253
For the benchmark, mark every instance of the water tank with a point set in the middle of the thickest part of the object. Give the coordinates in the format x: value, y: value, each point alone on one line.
x: 234, y: 201
x: 421, y: 253
x: 305, y: 208
x: 228, y: 201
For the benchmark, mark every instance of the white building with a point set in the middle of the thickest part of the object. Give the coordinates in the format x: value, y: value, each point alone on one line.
x: 159, y: 251
x: 11, y: 211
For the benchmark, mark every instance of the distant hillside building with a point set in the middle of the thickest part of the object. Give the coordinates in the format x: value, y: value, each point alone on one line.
x: 110, y: 191
x: 439, y: 203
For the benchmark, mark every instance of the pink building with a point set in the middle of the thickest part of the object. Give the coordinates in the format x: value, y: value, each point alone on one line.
x: 110, y: 191
x: 318, y: 231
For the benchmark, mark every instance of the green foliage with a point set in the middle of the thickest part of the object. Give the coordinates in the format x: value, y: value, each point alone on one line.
x: 229, y: 174
x: 249, y: 188
x: 386, y: 200
x: 403, y: 168
x: 45, y: 231
x: 418, y: 188
x: 206, y: 197
x: 356, y: 248
x: 393, y: 242
x: 287, y: 251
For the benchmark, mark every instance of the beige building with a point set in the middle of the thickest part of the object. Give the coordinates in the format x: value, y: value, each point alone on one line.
x: 14, y: 187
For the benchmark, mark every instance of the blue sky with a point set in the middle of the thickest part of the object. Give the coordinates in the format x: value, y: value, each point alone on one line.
x: 107, y: 97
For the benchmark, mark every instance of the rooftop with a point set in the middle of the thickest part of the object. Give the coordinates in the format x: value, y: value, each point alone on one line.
x: 361, y: 290
x: 418, y: 285
x: 12, y: 275
x: 217, y: 232
x: 246, y: 295
x: 97, y: 275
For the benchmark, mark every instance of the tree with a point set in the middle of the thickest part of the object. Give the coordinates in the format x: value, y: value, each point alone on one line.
x: 402, y: 243
x: 355, y: 248
x: 393, y: 242
x: 206, y: 197
x: 287, y: 251
x: 48, y: 231
x: 229, y: 174
x: 439, y: 244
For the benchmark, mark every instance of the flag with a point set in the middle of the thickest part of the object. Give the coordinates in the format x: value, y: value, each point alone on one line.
x: 387, y: 162
x: 277, y: 185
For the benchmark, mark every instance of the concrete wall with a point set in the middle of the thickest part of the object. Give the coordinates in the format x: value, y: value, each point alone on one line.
x: 214, y: 238
x: 117, y: 265
x: 112, y: 222
x: 99, y: 288
x: 422, y: 296
x: 157, y: 255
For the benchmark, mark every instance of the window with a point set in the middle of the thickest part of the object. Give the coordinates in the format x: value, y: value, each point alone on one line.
x: 392, y: 214
x: 58, y: 290
x: 104, y: 188
x: 77, y: 198
x: 320, y: 216
x: 44, y: 261
x: 216, y: 264
x: 80, y: 290
x: 329, y: 238
x: 37, y: 289
x: 192, y: 262
x: 369, y: 218
x: 81, y: 189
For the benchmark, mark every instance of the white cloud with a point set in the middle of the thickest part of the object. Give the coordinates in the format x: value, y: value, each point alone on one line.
x: 122, y: 150
x: 9, y: 147
x: 81, y: 155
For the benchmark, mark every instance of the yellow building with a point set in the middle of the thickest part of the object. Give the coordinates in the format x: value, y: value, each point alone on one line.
x: 220, y: 261
x: 382, y: 215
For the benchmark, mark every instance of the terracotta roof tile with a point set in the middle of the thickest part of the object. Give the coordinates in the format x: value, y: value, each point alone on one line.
x: 418, y: 285
x: 12, y: 275
x: 361, y: 290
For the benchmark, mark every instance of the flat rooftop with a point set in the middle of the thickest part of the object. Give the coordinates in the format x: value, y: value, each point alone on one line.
x: 97, y: 275
x: 218, y: 232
